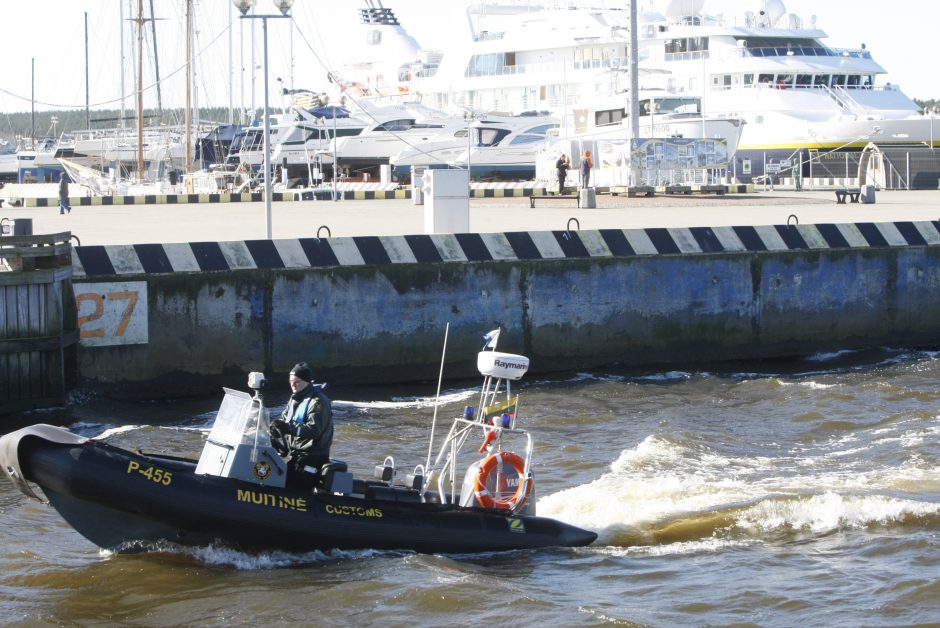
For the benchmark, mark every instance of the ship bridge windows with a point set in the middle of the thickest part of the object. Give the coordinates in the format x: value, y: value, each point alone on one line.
x: 608, y: 117
x: 599, y: 57
x: 783, y: 81
x: 686, y: 48
x: 782, y: 47
x: 492, y: 64
x: 670, y: 106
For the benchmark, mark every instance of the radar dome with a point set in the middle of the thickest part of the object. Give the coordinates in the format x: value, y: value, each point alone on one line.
x: 770, y: 10
x: 675, y: 9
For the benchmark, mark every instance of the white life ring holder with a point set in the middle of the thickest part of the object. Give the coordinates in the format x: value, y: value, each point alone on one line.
x: 488, y: 466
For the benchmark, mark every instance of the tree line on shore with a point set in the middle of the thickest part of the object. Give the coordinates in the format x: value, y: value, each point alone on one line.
x: 55, y: 122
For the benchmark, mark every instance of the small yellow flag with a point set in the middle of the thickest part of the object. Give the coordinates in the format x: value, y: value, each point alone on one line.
x: 508, y: 407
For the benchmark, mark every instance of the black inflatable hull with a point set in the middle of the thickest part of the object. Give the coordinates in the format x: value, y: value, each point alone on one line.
x: 124, y: 501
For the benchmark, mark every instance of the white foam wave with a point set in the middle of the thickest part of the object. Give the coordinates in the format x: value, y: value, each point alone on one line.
x: 683, y: 548
x: 222, y: 556
x: 661, y: 481
x: 113, y: 431
x: 668, y: 376
x: 408, y: 402
x: 828, y: 512
x: 829, y: 356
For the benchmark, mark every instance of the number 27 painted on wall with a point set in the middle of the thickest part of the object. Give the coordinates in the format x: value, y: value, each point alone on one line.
x: 112, y: 313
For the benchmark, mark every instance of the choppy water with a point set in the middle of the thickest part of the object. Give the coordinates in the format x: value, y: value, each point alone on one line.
x: 805, y: 493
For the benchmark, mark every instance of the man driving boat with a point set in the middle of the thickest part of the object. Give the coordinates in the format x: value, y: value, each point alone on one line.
x: 305, y: 428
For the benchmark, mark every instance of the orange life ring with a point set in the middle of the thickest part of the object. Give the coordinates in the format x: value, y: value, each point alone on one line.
x: 490, y: 464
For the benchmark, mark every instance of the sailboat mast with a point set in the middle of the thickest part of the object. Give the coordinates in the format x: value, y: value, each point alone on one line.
x: 634, y: 73
x: 140, y: 89
x: 156, y: 62
x: 123, y: 92
x: 87, y: 103
x: 188, y: 116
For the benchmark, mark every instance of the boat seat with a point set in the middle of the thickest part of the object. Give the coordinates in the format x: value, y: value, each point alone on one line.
x: 333, y: 465
x: 335, y: 479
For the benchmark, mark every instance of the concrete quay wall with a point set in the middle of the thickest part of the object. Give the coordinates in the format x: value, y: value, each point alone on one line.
x: 372, y: 309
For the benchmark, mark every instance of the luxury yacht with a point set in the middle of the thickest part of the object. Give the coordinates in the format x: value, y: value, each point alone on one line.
x: 800, y: 100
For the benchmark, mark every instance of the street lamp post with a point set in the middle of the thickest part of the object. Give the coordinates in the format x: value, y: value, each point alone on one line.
x: 284, y: 6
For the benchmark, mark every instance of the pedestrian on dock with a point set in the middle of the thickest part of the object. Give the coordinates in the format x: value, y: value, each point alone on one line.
x: 562, y: 166
x: 64, y: 194
x: 586, y: 164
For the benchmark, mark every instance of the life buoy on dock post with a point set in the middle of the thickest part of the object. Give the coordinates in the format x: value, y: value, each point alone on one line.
x: 492, y: 463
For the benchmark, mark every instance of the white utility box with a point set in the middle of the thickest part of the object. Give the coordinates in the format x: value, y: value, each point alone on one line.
x: 446, y: 201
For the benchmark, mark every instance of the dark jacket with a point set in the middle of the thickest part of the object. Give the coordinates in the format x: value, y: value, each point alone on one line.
x: 63, y: 188
x: 309, y: 413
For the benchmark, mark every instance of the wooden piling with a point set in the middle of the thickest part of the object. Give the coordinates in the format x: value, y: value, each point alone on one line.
x: 38, y: 331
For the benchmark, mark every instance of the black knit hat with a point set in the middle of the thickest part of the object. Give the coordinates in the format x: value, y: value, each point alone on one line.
x: 302, y: 371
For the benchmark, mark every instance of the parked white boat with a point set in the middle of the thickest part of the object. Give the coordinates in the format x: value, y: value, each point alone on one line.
x: 391, y: 129
x: 310, y: 133
x: 8, y: 165
x: 37, y: 161
x: 505, y: 148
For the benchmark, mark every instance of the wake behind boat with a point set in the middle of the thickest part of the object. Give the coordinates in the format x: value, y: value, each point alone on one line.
x: 235, y: 493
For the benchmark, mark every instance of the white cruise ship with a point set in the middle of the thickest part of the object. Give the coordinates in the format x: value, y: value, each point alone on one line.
x: 800, y: 99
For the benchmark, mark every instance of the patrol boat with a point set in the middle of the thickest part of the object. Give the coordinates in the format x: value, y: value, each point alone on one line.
x: 235, y: 494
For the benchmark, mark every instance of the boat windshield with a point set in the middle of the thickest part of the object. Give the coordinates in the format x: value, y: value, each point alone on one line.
x: 238, y: 420
x: 487, y: 136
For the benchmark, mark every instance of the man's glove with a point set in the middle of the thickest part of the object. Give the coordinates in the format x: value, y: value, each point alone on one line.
x: 277, y: 431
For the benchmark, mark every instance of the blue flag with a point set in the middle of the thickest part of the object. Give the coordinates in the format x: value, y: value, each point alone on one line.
x: 489, y: 340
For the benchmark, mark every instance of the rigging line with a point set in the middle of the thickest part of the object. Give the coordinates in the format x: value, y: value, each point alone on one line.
x: 133, y: 93
x: 349, y: 95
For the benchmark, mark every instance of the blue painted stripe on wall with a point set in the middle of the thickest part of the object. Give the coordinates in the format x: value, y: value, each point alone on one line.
x: 707, y: 240
x: 153, y: 258
x: 832, y: 236
x: 372, y: 250
x: 791, y: 237
x: 523, y: 246
x: 423, y: 248
x: 617, y: 242
x: 750, y: 238
x: 264, y: 253
x: 662, y: 240
x: 319, y: 252
x: 910, y: 233
x: 473, y: 247
x: 209, y: 256
x: 95, y: 260
x: 872, y: 234
x: 570, y: 243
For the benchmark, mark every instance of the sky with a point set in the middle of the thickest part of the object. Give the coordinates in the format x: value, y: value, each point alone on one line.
x: 53, y: 50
